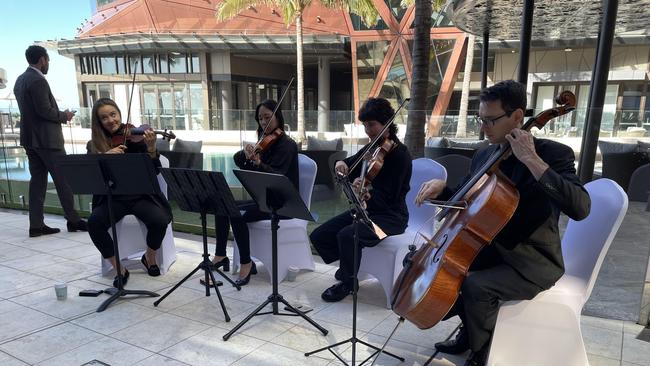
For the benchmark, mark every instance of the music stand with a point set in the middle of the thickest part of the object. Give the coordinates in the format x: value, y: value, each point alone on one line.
x: 111, y: 175
x: 274, y: 194
x: 359, y: 216
x: 206, y: 193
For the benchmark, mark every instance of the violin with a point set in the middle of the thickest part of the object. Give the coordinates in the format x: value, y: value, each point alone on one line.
x: 128, y: 133
x: 268, y: 140
x: 375, y: 163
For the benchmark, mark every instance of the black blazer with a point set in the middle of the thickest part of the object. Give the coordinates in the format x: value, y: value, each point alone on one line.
x: 387, y: 204
x: 40, y: 118
x: 530, y: 242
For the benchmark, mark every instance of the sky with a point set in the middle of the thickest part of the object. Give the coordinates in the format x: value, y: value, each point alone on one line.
x: 27, y: 21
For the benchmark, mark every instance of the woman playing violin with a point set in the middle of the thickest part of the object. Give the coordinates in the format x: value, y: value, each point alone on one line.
x: 525, y: 258
x: 154, y: 211
x: 275, y: 153
x: 386, y: 204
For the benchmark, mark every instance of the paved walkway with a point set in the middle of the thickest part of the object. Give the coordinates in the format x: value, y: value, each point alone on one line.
x: 186, y: 329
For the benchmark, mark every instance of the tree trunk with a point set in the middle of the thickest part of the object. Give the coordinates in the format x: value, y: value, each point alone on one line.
x: 417, y: 115
x: 461, y: 127
x: 300, y: 88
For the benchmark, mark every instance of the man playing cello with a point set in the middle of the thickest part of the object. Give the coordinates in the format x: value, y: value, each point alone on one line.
x: 525, y: 258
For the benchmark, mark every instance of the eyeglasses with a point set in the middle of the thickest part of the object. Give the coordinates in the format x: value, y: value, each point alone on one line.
x: 490, y: 122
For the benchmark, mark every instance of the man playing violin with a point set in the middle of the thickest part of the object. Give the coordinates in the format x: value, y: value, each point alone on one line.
x: 525, y: 258
x: 108, y: 137
x: 386, y: 205
x: 274, y: 153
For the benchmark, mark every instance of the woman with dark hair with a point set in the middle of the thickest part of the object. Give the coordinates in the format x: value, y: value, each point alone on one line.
x: 334, y: 240
x: 153, y: 210
x: 280, y: 158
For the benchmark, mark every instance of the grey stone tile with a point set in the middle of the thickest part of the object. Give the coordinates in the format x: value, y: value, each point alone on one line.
x: 636, y: 351
x: 272, y: 354
x: 7, y: 360
x: 207, y: 348
x: 602, y: 361
x: 107, y: 350
x: 118, y: 316
x: 158, y: 360
x: 46, y: 302
x: 48, y: 343
x: 23, y: 320
x: 160, y: 332
x: 602, y: 342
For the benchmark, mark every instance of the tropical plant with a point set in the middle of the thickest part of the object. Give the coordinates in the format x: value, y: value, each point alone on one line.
x: 417, y: 115
x: 292, y: 11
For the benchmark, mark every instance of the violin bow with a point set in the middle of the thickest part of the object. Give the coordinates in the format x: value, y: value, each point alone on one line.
x: 277, y: 106
x: 128, y: 112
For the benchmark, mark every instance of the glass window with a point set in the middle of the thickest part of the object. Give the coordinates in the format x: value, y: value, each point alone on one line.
x: 120, y: 65
x: 177, y: 63
x: 135, y: 64
x: 164, y: 64
x: 150, y: 106
x: 149, y: 64
x: 396, y: 8
x: 359, y: 25
x: 440, y: 54
x: 196, y: 106
x: 105, y: 91
x: 396, y: 87
x: 180, y: 100
x: 196, y: 65
x: 370, y: 56
x: 166, y: 103
x: 108, y: 65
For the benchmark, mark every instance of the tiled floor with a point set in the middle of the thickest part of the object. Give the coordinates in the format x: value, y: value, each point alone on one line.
x: 187, y: 328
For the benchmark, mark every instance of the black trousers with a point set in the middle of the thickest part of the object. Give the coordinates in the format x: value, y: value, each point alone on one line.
x: 153, y: 216
x: 334, y: 240
x: 239, y: 229
x: 489, y: 282
x: 41, y: 162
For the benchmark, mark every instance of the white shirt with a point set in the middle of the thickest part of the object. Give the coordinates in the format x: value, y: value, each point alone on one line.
x: 37, y: 70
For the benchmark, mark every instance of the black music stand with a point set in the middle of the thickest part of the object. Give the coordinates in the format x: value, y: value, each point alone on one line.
x: 206, y: 193
x: 359, y: 216
x: 112, y: 175
x: 274, y: 194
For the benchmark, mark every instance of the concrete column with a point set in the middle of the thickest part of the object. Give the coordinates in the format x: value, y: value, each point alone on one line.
x: 225, y: 88
x: 323, y: 95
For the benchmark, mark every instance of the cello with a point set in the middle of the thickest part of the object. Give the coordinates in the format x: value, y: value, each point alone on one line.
x: 430, y: 281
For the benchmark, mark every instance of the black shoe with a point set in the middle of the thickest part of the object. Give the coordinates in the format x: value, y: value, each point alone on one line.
x: 455, y: 346
x: 337, y: 292
x: 45, y: 230
x: 153, y: 269
x: 477, y: 358
x: 224, y: 263
x: 125, y: 278
x: 338, y: 275
x: 244, y: 281
x: 80, y: 225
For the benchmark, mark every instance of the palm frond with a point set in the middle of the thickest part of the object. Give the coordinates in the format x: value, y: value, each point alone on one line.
x: 229, y: 9
x: 365, y: 9
x: 437, y: 5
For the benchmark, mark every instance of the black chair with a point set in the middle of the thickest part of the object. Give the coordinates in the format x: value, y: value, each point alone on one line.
x: 639, y: 188
x: 325, y: 161
x: 620, y: 166
x: 457, y: 167
x: 186, y: 160
x: 437, y: 152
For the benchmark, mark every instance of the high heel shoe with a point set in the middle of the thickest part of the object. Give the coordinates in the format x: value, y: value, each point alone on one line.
x: 153, y: 270
x: 125, y: 278
x: 244, y: 281
x: 225, y: 263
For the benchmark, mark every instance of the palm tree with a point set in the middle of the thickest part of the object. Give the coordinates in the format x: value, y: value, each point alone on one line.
x: 417, y: 116
x: 292, y: 11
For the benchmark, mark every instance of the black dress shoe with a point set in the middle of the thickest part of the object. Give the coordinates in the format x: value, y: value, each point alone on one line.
x: 225, y: 263
x: 45, y: 230
x: 477, y: 358
x: 153, y: 269
x: 244, y: 281
x: 125, y: 278
x: 80, y: 225
x: 337, y: 292
x: 455, y: 346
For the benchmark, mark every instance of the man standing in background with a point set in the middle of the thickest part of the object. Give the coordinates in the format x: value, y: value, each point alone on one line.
x: 42, y: 138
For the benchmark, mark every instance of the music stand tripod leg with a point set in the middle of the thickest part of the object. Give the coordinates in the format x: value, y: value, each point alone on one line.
x: 120, y: 291
x: 205, y: 265
x: 355, y: 289
x: 275, y: 296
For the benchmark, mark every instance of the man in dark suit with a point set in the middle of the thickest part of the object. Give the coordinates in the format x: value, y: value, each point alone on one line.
x: 525, y: 258
x: 42, y: 138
